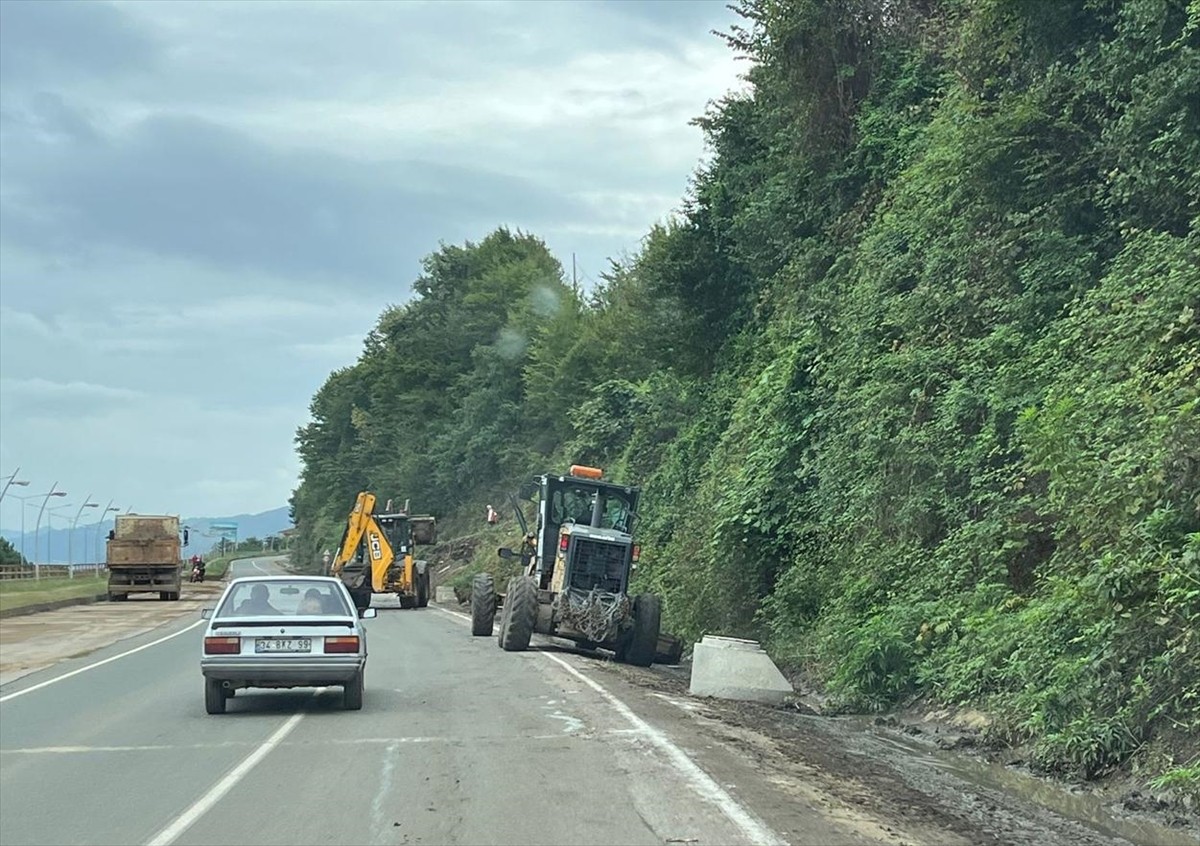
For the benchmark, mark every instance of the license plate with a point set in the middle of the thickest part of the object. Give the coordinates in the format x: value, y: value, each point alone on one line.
x: 279, y: 644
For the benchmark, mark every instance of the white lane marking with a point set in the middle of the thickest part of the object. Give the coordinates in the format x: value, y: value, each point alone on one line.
x: 108, y: 660
x: 385, y: 787
x: 309, y: 744
x: 701, y: 782
x: 185, y: 820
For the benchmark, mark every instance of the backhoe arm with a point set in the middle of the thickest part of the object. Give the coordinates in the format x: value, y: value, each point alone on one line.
x: 356, y: 527
x: 379, y: 553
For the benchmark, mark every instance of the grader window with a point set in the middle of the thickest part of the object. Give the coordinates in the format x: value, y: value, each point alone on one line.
x: 574, y: 505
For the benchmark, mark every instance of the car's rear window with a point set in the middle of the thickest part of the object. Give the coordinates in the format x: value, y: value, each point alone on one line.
x: 284, y: 597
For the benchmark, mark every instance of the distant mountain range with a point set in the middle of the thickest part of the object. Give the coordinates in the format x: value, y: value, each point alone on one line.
x: 87, y: 544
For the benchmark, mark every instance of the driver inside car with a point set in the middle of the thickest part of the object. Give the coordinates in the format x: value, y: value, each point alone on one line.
x: 258, y: 603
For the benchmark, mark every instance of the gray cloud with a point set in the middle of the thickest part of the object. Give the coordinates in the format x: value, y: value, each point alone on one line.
x: 63, y: 41
x: 179, y: 186
x: 204, y: 206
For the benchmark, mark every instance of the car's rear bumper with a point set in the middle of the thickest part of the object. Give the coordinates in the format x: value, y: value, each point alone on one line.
x: 309, y: 671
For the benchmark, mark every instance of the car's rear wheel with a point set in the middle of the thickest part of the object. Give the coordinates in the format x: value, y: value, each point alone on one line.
x: 214, y: 697
x: 352, y: 693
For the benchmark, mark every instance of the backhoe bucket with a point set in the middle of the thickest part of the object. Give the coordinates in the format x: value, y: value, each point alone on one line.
x: 385, y: 600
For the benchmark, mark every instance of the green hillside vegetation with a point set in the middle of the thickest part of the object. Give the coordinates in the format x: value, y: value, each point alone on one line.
x: 911, y: 380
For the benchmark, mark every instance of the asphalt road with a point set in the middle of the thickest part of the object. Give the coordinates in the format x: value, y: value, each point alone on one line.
x: 267, y: 565
x: 458, y: 742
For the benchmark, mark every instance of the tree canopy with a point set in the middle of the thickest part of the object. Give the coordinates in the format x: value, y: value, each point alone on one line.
x: 910, y: 382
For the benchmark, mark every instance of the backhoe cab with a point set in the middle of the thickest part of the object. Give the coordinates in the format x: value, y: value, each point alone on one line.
x: 376, y: 554
x: 576, y: 565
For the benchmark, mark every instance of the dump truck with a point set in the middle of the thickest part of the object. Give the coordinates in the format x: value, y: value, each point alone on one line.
x: 144, y: 556
x: 377, y: 554
x: 575, y: 572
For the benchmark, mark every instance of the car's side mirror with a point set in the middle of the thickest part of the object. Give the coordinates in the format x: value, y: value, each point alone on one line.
x: 368, y: 614
x: 505, y: 552
x: 206, y: 613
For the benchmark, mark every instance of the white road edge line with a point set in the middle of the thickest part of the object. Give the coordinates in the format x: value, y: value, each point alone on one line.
x: 701, y: 782
x: 108, y: 660
x: 185, y: 820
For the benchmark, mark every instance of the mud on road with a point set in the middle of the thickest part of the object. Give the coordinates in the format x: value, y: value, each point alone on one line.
x: 911, y: 789
x: 35, y: 641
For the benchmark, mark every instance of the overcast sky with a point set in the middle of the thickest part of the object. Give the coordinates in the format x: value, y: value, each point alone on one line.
x: 205, y: 206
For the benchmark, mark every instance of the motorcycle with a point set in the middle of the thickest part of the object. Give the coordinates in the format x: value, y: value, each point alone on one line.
x: 197, y: 574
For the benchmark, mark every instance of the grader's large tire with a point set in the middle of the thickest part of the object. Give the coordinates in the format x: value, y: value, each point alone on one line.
x: 483, y: 604
x: 520, y: 614
x: 647, y: 620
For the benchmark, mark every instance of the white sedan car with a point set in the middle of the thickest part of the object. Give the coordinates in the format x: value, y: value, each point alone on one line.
x: 284, y: 631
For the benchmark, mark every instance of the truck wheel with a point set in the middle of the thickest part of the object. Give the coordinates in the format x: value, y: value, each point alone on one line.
x: 352, y: 693
x: 483, y: 604
x: 117, y: 597
x: 214, y: 697
x: 521, y: 608
x: 647, y: 620
x: 164, y: 596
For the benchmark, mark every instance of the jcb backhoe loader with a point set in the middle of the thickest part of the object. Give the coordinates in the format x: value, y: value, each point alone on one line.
x: 376, y: 554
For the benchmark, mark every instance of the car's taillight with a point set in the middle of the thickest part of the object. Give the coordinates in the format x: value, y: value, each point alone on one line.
x: 637, y: 552
x: 563, y: 541
x: 222, y: 645
x: 342, y: 644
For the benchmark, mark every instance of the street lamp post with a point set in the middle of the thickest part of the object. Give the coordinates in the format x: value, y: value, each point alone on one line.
x: 51, y: 516
x: 25, y: 505
x: 38, y: 526
x: 95, y: 547
x: 13, y: 480
x: 87, y: 503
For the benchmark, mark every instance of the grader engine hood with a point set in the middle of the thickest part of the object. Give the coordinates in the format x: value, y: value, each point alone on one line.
x: 595, y: 559
x: 591, y: 598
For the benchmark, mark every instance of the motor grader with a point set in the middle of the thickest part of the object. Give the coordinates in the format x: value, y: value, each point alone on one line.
x: 574, y: 579
x: 376, y: 554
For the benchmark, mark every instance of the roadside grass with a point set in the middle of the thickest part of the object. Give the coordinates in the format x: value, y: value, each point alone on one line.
x: 19, y: 593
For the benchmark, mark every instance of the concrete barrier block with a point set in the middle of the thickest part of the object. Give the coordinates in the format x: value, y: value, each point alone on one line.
x: 732, y: 668
x: 444, y: 595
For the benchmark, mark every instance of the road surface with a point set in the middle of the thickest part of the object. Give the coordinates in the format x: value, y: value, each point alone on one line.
x: 458, y: 743
x: 268, y: 565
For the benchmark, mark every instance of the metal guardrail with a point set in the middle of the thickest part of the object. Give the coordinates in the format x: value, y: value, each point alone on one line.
x: 53, y: 571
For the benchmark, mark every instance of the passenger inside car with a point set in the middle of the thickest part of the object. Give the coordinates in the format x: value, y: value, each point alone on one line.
x: 313, y: 603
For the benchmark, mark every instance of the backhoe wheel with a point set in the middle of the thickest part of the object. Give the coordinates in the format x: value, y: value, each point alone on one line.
x: 520, y: 613
x: 423, y: 589
x: 643, y: 640
x: 214, y: 697
x: 483, y: 604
